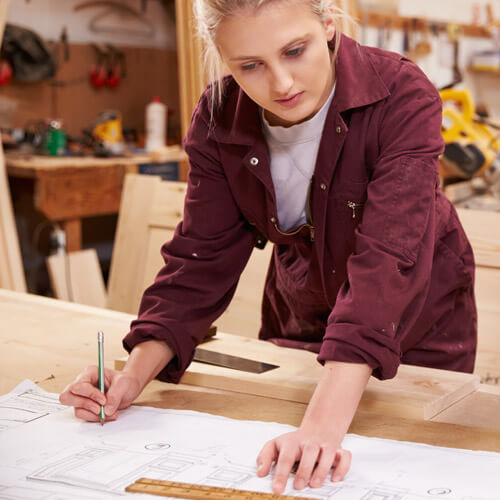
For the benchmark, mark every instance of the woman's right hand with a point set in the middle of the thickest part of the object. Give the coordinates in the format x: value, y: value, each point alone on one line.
x: 121, y: 390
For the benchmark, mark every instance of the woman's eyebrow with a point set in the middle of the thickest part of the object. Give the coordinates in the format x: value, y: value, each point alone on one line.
x: 285, y: 47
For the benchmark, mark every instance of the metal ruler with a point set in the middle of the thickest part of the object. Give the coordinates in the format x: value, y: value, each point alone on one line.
x: 200, y: 492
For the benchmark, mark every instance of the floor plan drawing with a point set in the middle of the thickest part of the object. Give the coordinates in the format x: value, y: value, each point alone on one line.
x: 25, y: 404
x: 56, y: 454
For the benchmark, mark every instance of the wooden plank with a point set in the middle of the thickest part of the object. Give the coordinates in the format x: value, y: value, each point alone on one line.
x: 4, y: 7
x: 24, y: 165
x: 484, y: 403
x: 125, y: 280
x: 11, y: 265
x: 77, y: 277
x: 397, y: 22
x: 192, y: 79
x: 37, y: 343
x: 487, y: 286
x: 348, y: 25
x: 44, y: 338
x: 483, y: 230
x: 415, y: 392
x: 488, y: 351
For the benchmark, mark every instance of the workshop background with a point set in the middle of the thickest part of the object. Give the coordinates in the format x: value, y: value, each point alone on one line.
x: 105, y: 66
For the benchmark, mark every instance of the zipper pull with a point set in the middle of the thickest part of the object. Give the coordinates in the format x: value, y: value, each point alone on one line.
x: 311, y: 233
x: 352, y: 205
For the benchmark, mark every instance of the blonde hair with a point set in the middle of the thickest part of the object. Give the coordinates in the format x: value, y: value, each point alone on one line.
x: 210, y: 13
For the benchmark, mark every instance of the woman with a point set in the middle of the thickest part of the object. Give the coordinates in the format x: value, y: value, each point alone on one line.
x: 330, y: 151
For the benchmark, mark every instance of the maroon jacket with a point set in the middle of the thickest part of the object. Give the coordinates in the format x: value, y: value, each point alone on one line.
x: 386, y: 275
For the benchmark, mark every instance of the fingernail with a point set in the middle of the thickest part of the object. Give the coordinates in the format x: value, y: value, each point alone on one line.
x: 109, y: 410
x: 300, y: 484
x: 277, y: 488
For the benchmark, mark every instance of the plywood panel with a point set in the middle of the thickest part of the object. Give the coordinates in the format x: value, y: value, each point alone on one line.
x: 11, y: 267
x: 484, y: 404
x: 77, y: 277
x: 488, y: 352
x: 483, y: 230
x: 39, y: 345
x: 128, y: 259
x: 416, y: 391
x: 487, y: 286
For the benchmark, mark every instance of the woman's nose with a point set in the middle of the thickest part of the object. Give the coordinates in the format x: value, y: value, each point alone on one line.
x: 281, y: 82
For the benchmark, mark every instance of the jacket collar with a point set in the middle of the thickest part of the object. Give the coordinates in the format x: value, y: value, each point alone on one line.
x: 357, y: 84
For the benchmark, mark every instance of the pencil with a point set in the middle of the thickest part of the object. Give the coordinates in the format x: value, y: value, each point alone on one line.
x: 100, y: 346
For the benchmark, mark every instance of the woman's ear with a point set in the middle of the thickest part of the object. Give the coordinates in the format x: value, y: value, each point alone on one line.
x: 330, y: 26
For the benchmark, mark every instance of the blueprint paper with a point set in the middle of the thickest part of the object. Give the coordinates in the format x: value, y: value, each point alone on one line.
x: 56, y: 457
x: 26, y: 403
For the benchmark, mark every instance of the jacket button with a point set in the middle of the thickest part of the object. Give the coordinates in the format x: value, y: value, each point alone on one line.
x: 273, y: 219
x: 254, y: 161
x: 338, y: 129
x: 333, y: 271
x: 323, y: 186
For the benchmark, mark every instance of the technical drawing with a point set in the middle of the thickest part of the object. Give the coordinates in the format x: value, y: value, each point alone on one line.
x: 26, y: 407
x: 97, y: 462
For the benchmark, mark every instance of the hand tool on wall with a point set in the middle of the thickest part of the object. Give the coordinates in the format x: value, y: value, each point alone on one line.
x: 97, y: 24
x: 116, y: 67
x: 98, y: 72
x: 5, y: 72
x: 454, y: 33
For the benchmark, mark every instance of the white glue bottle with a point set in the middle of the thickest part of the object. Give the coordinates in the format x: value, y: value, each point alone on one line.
x: 156, y: 124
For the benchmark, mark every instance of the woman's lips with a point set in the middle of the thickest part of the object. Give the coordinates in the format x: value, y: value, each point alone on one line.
x: 292, y: 101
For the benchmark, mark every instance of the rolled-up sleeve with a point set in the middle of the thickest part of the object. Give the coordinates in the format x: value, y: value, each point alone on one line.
x: 388, y: 274
x: 203, y: 261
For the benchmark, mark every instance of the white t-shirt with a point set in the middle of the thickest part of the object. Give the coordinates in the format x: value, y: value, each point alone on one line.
x: 293, y: 152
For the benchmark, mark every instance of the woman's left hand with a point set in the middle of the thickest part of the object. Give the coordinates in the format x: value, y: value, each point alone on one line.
x: 315, y: 450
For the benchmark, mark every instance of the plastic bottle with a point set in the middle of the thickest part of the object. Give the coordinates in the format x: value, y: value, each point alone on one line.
x: 156, y: 124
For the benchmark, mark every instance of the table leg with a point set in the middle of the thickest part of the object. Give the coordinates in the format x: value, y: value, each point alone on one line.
x: 73, y: 230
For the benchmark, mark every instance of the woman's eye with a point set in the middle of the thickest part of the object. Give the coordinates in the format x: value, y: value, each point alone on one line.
x: 249, y: 67
x: 295, y: 52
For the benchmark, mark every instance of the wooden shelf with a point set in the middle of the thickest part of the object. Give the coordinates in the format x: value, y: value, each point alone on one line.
x: 391, y: 21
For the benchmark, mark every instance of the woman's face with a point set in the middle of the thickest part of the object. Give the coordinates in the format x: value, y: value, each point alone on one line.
x: 279, y: 56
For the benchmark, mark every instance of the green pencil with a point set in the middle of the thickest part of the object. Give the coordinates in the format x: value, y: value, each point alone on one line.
x: 100, y: 346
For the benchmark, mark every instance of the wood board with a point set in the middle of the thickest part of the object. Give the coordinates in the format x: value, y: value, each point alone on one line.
x: 483, y: 230
x: 483, y: 403
x: 77, y: 277
x: 38, y: 344
x: 27, y: 165
x: 11, y: 266
x: 53, y: 339
x: 415, y: 392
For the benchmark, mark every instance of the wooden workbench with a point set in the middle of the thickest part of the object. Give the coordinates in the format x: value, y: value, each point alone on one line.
x: 67, y: 189
x: 50, y: 341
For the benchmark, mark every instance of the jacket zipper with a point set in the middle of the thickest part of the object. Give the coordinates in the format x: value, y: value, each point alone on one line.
x: 309, y: 224
x: 353, y: 205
